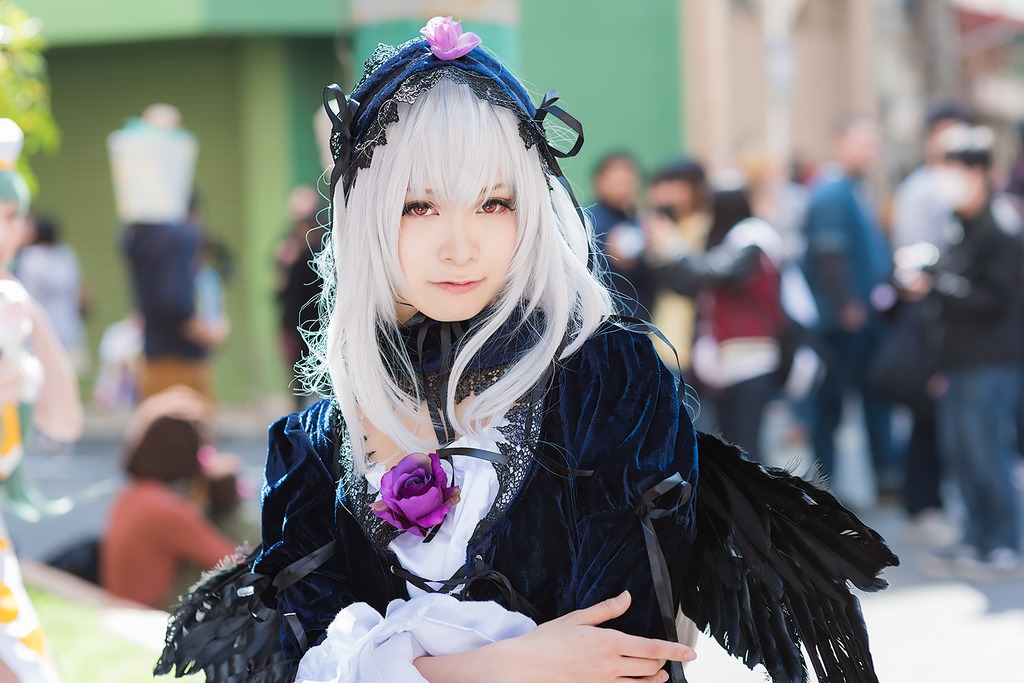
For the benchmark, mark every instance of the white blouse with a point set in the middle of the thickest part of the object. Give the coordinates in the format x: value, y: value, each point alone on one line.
x: 445, y: 554
x: 364, y: 646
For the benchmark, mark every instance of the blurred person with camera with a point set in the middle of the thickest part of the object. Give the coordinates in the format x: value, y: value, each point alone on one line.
x: 680, y: 193
x: 977, y: 282
x: 922, y: 214
x: 737, y: 283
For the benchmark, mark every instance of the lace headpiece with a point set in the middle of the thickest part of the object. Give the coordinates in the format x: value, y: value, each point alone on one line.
x: 400, y: 74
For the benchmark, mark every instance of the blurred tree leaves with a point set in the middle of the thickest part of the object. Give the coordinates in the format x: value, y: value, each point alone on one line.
x: 24, y: 87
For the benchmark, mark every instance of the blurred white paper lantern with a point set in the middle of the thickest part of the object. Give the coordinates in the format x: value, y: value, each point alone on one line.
x: 153, y: 165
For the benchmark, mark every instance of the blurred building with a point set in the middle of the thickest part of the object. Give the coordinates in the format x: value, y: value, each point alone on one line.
x: 989, y: 35
x: 776, y: 75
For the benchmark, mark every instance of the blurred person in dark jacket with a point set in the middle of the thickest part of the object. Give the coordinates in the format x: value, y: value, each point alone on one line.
x: 617, y: 232
x: 847, y: 264
x: 977, y: 282
x: 164, y: 259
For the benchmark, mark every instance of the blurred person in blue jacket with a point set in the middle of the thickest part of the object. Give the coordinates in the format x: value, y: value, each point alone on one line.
x: 848, y: 263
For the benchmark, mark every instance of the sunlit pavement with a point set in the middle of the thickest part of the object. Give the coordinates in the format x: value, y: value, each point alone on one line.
x: 922, y: 629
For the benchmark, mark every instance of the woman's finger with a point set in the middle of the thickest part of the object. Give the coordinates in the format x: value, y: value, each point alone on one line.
x: 606, y: 610
x: 638, y: 667
x: 660, y: 677
x: 652, y: 648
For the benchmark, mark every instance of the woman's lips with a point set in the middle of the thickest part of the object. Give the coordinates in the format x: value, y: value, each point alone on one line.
x: 457, y: 287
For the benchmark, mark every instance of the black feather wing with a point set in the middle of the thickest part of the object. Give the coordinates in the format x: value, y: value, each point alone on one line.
x: 771, y: 569
x: 214, y: 630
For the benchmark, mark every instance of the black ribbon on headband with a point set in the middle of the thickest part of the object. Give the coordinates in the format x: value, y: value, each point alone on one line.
x: 341, y: 133
x: 548, y: 106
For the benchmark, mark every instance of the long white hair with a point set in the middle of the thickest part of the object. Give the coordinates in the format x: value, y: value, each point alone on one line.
x: 460, y: 147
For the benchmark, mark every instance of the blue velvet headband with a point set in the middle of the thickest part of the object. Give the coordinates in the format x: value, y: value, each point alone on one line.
x: 400, y: 74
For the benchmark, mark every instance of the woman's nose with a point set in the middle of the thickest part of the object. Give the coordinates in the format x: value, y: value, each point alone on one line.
x: 459, y: 245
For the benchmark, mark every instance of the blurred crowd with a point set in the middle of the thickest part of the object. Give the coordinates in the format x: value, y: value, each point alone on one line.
x: 798, y: 285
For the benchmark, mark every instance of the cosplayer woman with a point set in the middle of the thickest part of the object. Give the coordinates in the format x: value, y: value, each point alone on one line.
x: 502, y: 485
x: 38, y: 389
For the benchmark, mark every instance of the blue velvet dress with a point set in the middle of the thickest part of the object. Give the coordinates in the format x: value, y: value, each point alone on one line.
x: 597, y: 492
x: 554, y: 540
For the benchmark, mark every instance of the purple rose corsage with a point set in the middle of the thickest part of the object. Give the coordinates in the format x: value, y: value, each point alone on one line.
x: 415, y: 495
x: 446, y: 39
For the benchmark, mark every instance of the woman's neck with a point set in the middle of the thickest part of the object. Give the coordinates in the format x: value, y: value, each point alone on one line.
x: 380, y: 449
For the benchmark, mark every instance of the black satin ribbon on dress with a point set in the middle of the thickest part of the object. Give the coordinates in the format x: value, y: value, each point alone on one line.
x: 478, y: 453
x: 649, y: 511
x: 450, y: 334
x: 481, y: 572
x: 253, y: 586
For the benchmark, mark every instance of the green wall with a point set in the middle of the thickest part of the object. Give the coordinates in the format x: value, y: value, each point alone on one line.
x: 250, y: 104
x: 617, y: 70
x: 75, y: 22
x: 311, y: 65
x: 93, y: 92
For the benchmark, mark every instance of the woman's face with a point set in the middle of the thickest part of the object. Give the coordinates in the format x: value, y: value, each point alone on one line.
x: 455, y: 259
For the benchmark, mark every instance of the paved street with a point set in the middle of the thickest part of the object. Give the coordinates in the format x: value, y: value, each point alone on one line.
x: 923, y: 630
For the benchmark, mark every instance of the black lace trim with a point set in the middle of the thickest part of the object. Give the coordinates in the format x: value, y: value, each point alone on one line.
x: 483, y: 87
x: 517, y: 447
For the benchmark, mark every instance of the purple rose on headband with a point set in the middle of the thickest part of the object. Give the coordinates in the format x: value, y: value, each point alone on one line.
x: 415, y: 495
x: 446, y: 39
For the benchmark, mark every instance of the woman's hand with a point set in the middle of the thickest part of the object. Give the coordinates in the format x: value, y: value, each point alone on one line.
x: 570, y: 649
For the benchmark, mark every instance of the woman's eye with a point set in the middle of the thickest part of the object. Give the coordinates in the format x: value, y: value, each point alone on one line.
x: 417, y: 209
x: 496, y: 205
